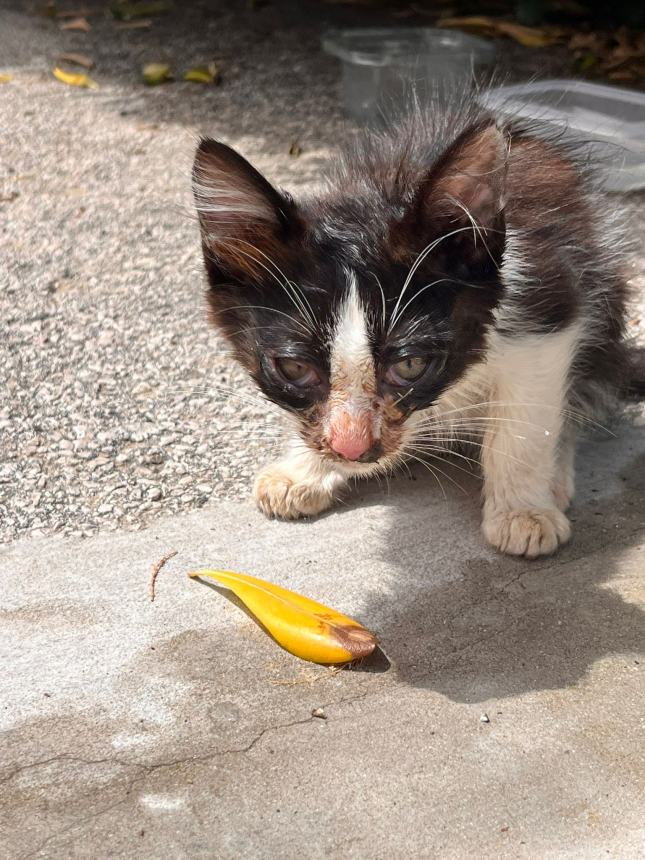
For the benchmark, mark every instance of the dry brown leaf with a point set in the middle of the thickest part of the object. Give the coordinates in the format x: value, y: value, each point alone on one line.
x: 622, y: 75
x: 48, y: 10
x: 530, y: 37
x: 586, y: 41
x: 77, y: 60
x: 81, y: 12
x: 620, y: 55
x: 80, y: 24
x: 139, y: 24
x: 123, y: 10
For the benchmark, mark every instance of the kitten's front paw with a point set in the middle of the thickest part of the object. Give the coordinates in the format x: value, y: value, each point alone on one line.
x: 531, y: 533
x: 280, y: 494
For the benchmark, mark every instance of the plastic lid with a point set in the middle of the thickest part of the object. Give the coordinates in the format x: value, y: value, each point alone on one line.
x: 381, y: 46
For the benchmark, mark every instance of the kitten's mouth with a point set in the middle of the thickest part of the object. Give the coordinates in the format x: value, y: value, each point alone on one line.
x: 364, y: 464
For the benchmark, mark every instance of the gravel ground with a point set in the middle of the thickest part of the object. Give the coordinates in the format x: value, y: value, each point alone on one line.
x: 115, y: 396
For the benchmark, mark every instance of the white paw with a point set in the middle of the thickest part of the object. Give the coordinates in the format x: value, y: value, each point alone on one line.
x: 279, y: 493
x: 531, y: 533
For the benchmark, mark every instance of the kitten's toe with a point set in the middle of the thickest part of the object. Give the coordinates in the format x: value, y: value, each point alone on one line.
x: 531, y: 533
x: 277, y: 494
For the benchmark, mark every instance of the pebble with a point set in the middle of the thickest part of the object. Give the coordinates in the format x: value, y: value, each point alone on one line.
x: 154, y: 494
x: 155, y: 457
x: 484, y: 718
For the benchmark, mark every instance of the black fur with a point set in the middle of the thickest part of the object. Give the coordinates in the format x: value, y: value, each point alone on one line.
x: 541, y: 255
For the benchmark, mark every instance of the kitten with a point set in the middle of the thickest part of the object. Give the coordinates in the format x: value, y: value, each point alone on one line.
x: 459, y: 280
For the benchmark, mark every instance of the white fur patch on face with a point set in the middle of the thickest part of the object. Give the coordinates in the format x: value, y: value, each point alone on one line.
x: 353, y: 376
x: 352, y: 424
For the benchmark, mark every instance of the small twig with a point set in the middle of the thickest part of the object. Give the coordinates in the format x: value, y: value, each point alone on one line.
x: 155, y: 571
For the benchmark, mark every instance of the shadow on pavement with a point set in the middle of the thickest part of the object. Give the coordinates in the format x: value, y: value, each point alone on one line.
x: 506, y: 626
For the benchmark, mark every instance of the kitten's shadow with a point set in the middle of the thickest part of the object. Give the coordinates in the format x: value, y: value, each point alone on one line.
x: 473, y: 624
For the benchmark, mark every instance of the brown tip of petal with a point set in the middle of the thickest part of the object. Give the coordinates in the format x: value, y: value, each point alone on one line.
x: 357, y: 640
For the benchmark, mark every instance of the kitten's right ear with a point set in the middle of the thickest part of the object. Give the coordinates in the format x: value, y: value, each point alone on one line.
x: 245, y: 222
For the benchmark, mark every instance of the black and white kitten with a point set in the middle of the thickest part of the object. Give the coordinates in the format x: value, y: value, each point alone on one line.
x: 458, y: 281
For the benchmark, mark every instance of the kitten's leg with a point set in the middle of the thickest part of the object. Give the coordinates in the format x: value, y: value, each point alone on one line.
x: 564, y: 479
x: 520, y: 454
x: 302, y: 484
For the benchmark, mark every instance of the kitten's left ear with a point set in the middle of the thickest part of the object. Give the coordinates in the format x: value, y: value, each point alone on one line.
x: 464, y: 192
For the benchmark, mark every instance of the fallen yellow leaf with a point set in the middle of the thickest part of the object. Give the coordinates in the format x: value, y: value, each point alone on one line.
x: 203, y: 74
x: 5, y: 79
x: 156, y: 73
x: 75, y: 80
x: 301, y: 626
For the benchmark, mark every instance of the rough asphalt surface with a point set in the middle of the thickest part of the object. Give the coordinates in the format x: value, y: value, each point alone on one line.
x: 509, y: 723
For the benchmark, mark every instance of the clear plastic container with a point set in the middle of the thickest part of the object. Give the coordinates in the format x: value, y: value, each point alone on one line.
x: 610, y: 119
x: 385, y: 68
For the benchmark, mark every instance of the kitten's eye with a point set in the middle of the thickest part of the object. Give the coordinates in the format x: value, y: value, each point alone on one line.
x: 297, y: 372
x: 407, y: 370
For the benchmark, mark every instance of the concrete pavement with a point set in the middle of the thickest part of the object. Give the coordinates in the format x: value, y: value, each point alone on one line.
x: 508, y: 724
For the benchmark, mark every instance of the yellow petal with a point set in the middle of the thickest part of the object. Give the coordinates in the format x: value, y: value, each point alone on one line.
x: 203, y: 74
x: 303, y: 627
x: 75, y: 80
x: 156, y: 73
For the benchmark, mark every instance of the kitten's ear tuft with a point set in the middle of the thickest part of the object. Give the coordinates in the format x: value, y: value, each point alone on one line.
x: 243, y: 218
x: 464, y: 192
x: 470, y: 177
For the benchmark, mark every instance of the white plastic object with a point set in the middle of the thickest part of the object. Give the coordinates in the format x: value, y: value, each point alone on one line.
x: 610, y: 119
x: 384, y: 68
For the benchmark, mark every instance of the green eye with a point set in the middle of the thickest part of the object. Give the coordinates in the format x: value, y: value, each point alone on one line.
x: 407, y: 370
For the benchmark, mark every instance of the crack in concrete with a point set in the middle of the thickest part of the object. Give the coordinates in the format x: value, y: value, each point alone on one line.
x: 149, y: 769
x: 82, y: 821
x: 64, y: 757
x: 141, y: 777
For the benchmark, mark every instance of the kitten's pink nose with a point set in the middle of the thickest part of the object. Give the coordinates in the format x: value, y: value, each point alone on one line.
x: 351, y: 436
x: 352, y: 448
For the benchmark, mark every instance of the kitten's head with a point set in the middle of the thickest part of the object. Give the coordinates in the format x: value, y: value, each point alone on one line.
x: 357, y: 308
